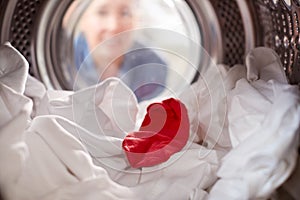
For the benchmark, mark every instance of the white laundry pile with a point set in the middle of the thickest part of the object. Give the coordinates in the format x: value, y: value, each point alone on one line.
x: 39, y: 159
x: 67, y: 145
x: 263, y: 118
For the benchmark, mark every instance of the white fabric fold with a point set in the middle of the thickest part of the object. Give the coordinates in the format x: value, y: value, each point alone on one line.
x: 13, y: 152
x: 13, y: 65
x: 36, y: 91
x: 12, y: 103
x: 206, y: 102
x: 263, y: 118
x: 265, y: 159
x: 264, y: 64
x: 107, y: 107
x: 56, y: 163
x: 14, y: 115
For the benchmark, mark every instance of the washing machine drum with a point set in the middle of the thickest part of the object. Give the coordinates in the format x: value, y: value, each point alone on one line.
x: 182, y: 34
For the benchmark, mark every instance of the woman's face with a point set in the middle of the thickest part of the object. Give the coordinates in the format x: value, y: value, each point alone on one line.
x: 105, y: 18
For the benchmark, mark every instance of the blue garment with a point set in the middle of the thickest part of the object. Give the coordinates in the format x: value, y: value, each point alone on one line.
x: 142, y: 69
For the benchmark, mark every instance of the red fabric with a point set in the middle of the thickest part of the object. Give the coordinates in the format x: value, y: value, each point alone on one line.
x: 164, y: 131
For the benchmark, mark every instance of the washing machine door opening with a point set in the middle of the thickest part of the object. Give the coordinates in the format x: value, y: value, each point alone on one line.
x: 155, y: 47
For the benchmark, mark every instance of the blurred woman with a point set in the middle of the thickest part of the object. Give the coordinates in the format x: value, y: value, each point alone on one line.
x: 106, y: 46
